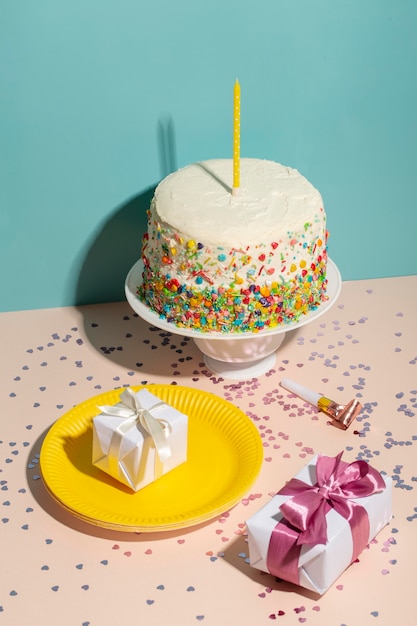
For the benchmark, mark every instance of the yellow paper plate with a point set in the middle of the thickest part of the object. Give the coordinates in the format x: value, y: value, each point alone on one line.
x: 224, y: 458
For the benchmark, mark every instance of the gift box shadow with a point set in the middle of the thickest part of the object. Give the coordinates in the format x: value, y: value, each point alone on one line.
x: 236, y: 556
x: 55, y: 510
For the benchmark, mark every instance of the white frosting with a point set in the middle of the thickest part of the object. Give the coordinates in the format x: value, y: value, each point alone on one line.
x: 197, y: 200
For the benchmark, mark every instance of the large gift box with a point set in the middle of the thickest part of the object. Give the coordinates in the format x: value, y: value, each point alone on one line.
x: 320, y: 521
x: 139, y: 439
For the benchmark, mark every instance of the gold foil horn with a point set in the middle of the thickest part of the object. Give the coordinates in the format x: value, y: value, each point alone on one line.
x: 342, y: 414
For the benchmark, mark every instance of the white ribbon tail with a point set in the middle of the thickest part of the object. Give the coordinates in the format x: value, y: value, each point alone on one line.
x: 158, y: 432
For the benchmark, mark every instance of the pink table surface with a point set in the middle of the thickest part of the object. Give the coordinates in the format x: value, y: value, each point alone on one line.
x: 58, y: 570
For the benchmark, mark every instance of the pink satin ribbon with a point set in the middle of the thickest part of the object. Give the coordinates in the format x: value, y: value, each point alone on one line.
x: 304, y: 514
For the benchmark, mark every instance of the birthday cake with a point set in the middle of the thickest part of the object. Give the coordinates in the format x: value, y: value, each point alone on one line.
x: 214, y: 261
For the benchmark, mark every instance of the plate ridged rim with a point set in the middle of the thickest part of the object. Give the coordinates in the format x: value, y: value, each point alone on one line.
x: 203, y: 408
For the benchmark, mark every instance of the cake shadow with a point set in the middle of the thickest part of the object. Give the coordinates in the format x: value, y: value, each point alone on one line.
x: 115, y: 248
x: 120, y: 335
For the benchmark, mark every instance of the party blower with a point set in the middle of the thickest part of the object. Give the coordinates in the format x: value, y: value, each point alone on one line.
x: 343, y: 414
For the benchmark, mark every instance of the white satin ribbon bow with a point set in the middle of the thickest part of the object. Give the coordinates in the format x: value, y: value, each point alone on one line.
x: 132, y: 413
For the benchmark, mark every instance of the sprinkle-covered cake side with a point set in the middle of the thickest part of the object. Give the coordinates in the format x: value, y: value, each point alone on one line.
x: 217, y: 263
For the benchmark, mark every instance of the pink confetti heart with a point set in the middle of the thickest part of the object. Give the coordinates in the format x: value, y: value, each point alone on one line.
x: 148, y: 551
x: 115, y: 547
x: 181, y: 541
x: 339, y: 587
x: 219, y: 531
x: 262, y: 595
x: 268, y: 459
x: 128, y: 553
x: 316, y: 608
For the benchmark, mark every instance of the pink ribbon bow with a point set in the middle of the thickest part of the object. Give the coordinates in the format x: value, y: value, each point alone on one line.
x: 304, y: 514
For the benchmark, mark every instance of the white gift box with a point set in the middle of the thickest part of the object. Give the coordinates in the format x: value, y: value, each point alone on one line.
x: 139, y: 439
x: 319, y: 565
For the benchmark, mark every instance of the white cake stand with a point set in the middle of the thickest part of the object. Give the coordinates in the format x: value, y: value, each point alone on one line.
x: 234, y: 355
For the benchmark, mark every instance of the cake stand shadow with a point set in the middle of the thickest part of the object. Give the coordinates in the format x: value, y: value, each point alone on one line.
x: 234, y: 355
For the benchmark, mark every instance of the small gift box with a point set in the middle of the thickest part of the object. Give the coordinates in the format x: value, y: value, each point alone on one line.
x: 319, y: 522
x: 139, y: 439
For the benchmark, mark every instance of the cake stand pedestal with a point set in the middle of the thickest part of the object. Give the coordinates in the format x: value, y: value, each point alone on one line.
x: 233, y: 355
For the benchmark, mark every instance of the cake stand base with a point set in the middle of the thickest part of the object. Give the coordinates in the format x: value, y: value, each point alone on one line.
x: 242, y: 356
x: 239, y: 371
x: 234, y: 355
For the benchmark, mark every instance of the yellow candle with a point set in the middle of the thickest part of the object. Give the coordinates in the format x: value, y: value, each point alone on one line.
x: 236, y: 139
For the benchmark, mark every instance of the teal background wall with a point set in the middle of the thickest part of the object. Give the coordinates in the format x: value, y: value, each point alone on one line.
x: 101, y: 99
